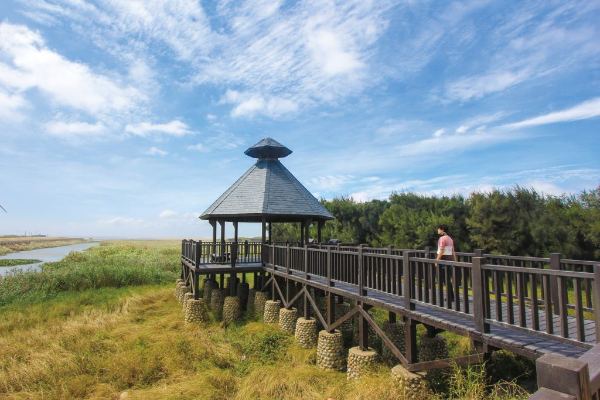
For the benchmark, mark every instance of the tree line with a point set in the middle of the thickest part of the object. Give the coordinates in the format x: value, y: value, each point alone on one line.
x: 517, y: 221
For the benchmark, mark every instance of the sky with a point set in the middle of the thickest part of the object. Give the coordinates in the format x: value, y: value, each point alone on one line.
x: 129, y: 118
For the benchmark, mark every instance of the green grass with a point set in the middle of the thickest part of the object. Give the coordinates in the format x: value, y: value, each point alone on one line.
x: 110, y: 265
x: 104, y: 322
x: 17, y: 261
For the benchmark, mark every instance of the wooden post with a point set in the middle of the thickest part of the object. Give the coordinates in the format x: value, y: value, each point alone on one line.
x: 361, y: 273
x: 307, y: 231
x: 302, y: 243
x: 555, y: 265
x: 410, y: 340
x: 223, y: 248
x: 329, y: 283
x: 597, y: 300
x: 235, y: 240
x: 330, y: 308
x: 319, y: 231
x: 306, y: 304
x: 391, y: 317
x: 478, y: 284
x: 363, y: 330
x: 195, y: 275
x: 264, y: 239
x: 200, y: 255
x: 408, y: 280
x: 270, y: 232
x: 214, y: 245
x: 428, y: 250
x: 564, y: 374
x: 306, y: 262
x: 287, y: 259
x: 479, y: 252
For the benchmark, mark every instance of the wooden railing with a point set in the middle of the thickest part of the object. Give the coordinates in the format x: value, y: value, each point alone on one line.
x: 198, y: 252
x: 519, y: 295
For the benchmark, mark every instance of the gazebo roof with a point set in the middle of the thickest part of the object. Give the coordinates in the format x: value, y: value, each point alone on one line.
x: 267, y: 190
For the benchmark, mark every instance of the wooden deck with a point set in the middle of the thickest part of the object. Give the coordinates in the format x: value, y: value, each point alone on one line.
x: 516, y: 340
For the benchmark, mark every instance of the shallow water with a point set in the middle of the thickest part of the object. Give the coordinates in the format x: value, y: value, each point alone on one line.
x: 50, y: 254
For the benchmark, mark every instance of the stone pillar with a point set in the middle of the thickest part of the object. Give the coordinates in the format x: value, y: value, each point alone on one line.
x: 229, y: 282
x: 260, y: 299
x: 435, y: 348
x: 342, y: 309
x: 178, y: 289
x: 216, y: 300
x: 250, y: 303
x: 413, y: 385
x: 360, y: 361
x: 242, y: 292
x: 272, y: 311
x: 374, y: 338
x: 287, y: 320
x: 395, y: 332
x: 306, y: 332
x: 330, y: 351
x: 232, y: 309
x: 195, y: 311
x: 207, y: 288
x: 182, y: 292
x: 186, y: 297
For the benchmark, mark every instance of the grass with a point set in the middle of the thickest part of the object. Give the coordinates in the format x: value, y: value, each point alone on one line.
x: 17, y: 261
x: 107, y: 333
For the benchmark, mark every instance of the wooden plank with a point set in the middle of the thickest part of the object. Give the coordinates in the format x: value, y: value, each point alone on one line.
x: 446, y: 363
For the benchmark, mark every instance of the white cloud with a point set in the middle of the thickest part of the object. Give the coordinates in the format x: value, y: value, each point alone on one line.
x: 173, y: 128
x: 197, y: 147
x: 251, y: 104
x: 154, y: 151
x: 66, y: 83
x: 329, y: 182
x: 11, y: 105
x: 439, y: 132
x: 328, y: 50
x: 122, y: 221
x: 585, y: 110
x: 69, y: 130
x: 211, y: 117
x: 462, y: 129
x: 475, y: 87
x: 168, y: 214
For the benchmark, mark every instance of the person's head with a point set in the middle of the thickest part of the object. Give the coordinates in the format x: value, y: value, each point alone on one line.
x: 442, y: 229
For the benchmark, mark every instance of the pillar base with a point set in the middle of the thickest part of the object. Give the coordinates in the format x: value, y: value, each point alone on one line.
x: 413, y: 385
x: 260, y: 298
x: 216, y: 300
x: 250, y: 302
x: 186, y: 297
x: 207, y: 288
x: 195, y: 312
x: 242, y: 292
x: 182, y: 292
x: 178, y: 288
x: 232, y: 309
x: 287, y: 320
x: 395, y: 332
x: 359, y: 362
x: 272, y: 311
x: 435, y: 348
x: 341, y: 310
x: 306, y: 332
x: 331, y: 354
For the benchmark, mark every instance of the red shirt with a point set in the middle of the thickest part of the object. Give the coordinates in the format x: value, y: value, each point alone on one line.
x: 445, y: 245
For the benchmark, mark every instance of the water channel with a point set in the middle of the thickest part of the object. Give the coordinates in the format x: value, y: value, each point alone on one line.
x: 49, y: 254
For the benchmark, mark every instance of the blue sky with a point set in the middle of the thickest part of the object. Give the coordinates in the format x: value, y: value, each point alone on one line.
x: 129, y: 118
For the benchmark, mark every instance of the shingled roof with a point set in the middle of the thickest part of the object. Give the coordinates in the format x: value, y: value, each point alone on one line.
x: 267, y: 190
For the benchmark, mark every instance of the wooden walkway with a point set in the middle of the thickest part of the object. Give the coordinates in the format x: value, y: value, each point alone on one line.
x: 503, y: 337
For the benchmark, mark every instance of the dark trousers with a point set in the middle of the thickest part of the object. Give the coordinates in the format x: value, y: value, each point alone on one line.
x: 447, y: 269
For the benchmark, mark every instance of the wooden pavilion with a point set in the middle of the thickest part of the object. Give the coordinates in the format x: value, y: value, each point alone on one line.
x: 267, y: 193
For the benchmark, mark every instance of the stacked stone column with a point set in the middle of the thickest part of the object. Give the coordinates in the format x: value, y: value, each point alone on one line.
x: 287, y: 320
x: 260, y: 298
x: 271, y: 315
x: 359, y: 362
x: 186, y: 297
x: 250, y: 302
x: 341, y: 310
x: 243, y: 290
x: 395, y: 332
x: 413, y: 385
x: 331, y: 354
x: 216, y: 300
x: 195, y: 311
x: 207, y: 289
x: 232, y: 309
x: 433, y: 348
x: 306, y: 332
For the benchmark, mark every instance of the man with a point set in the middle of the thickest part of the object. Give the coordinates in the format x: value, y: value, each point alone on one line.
x: 445, y: 253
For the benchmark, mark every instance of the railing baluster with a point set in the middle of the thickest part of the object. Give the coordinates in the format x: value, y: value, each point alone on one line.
x: 579, y: 310
x: 535, y: 319
x: 562, y: 301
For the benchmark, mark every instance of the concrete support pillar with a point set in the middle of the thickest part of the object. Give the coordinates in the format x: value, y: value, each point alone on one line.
x: 359, y: 362
x: 331, y: 354
x: 272, y: 311
x: 306, y: 333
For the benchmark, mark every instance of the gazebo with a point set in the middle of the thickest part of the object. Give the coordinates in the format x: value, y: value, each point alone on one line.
x: 267, y: 193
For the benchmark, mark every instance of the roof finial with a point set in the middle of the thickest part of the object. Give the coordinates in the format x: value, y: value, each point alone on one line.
x: 268, y: 148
